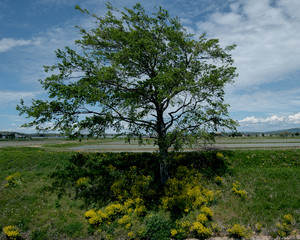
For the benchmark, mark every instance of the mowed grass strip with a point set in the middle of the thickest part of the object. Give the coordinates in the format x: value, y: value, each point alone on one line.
x: 271, y: 179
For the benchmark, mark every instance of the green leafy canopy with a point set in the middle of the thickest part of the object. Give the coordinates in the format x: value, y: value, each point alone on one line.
x: 141, y: 71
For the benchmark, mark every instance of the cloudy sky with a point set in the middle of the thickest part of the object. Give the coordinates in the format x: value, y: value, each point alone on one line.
x: 265, y: 95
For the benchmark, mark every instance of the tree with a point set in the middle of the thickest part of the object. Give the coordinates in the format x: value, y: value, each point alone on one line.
x: 137, y: 74
x: 284, y: 134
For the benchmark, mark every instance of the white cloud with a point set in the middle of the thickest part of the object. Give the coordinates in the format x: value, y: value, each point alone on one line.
x: 266, y: 37
x: 294, y: 118
x: 7, y: 44
x: 273, y: 119
x: 270, y: 123
x: 10, y: 97
x: 291, y: 8
x: 32, y: 58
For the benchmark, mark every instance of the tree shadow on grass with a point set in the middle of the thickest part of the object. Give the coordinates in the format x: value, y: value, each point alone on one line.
x: 100, y: 178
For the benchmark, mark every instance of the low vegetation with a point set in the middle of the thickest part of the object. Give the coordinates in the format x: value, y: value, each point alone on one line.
x: 119, y: 195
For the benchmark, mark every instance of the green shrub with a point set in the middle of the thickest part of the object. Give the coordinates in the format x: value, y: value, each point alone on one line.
x: 100, y: 178
x: 216, y: 228
x: 157, y: 227
x: 131, y: 182
x: 107, y: 177
x: 239, y: 231
x: 218, y: 180
x: 181, y: 230
x: 285, y: 227
x: 258, y: 228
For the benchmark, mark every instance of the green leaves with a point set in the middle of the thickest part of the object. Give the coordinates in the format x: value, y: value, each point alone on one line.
x: 141, y: 71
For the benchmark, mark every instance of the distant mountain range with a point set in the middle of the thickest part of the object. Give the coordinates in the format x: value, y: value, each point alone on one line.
x: 290, y: 130
x: 4, y: 133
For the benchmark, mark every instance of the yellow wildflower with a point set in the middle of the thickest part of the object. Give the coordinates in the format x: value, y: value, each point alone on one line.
x: 173, y: 232
x: 288, y: 218
x: 130, y: 234
x: 90, y: 213
x: 207, y: 211
x: 82, y: 182
x: 11, y: 232
x: 202, y: 218
x: 239, y: 231
x: 13, y: 180
x: 124, y: 220
x: 201, y: 230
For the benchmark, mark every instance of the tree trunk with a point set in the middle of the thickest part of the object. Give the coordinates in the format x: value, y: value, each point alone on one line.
x: 164, y: 173
x: 162, y: 145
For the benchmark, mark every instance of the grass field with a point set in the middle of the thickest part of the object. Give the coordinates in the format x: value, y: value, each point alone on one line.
x: 270, y: 177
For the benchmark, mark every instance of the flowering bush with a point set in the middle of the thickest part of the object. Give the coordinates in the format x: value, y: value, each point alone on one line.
x: 120, y: 176
x: 181, y: 230
x: 124, y: 220
x: 133, y: 185
x: 207, y: 211
x: 82, y: 182
x: 236, y: 188
x: 95, y: 219
x: 219, y: 155
x: 12, y: 233
x: 215, y: 227
x: 13, y: 180
x: 201, y: 231
x: 218, y: 180
x: 285, y: 227
x: 202, y: 218
x: 239, y: 231
x: 131, y: 182
x: 258, y: 227
x: 288, y: 219
x: 114, y: 210
x: 185, y: 192
x: 131, y: 235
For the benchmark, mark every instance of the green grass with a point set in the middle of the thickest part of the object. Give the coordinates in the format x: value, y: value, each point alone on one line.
x: 271, y: 178
x: 32, y: 205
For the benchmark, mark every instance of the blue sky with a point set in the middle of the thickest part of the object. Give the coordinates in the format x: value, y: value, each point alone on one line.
x: 264, y: 97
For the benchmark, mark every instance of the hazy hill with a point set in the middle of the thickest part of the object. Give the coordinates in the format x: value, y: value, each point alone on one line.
x: 290, y: 130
